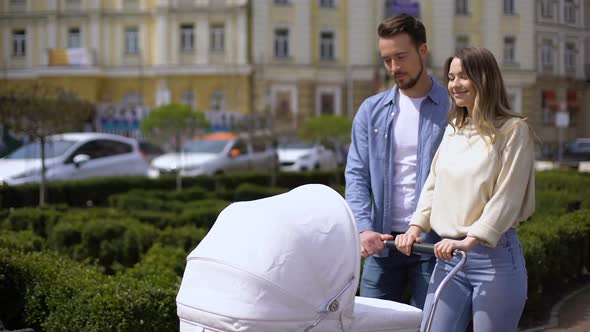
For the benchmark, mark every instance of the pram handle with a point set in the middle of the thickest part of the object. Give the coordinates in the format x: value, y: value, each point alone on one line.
x: 419, y: 248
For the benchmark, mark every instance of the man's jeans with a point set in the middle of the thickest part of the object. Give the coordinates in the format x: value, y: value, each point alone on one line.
x: 388, y: 277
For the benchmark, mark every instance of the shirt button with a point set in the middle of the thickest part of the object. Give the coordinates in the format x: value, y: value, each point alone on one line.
x: 376, y: 130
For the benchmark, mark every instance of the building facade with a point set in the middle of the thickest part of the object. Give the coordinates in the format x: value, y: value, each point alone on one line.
x: 313, y: 57
x: 128, y: 56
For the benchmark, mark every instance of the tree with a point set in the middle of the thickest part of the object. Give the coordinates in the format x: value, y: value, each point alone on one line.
x: 39, y: 110
x: 332, y: 130
x: 175, y: 122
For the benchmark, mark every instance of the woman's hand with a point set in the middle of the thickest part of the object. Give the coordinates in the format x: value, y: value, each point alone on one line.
x: 444, y: 248
x: 404, y: 242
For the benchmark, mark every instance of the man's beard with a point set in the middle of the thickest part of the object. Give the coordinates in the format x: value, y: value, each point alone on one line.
x: 412, y: 80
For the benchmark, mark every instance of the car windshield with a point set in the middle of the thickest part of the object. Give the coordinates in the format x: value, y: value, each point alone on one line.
x: 205, y: 146
x: 53, y: 148
x: 296, y: 146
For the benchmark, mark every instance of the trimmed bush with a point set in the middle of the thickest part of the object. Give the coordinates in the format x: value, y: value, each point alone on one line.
x: 38, y: 220
x: 249, y: 192
x: 21, y: 241
x: 186, y: 238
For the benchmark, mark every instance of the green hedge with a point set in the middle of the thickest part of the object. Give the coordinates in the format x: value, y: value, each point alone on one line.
x: 95, y: 192
x: 51, y: 293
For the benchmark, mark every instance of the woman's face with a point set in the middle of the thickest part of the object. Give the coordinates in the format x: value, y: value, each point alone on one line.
x: 460, y: 86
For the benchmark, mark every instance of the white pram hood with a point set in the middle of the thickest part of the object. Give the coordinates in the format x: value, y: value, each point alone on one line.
x: 282, y: 263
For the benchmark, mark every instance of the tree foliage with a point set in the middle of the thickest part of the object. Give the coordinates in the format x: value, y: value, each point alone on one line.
x: 175, y: 122
x: 39, y: 110
x: 327, y: 128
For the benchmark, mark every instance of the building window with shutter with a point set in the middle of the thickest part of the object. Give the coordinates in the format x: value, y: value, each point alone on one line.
x: 461, y: 41
x: 570, y: 57
x: 509, y: 7
x: 281, y: 44
x: 132, y: 40
x: 74, y: 38
x: 509, y: 50
x: 217, y: 38
x: 19, y: 43
x: 462, y: 7
x: 327, y: 47
x: 187, y: 37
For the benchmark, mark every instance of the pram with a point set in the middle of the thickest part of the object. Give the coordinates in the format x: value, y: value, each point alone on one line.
x: 290, y: 262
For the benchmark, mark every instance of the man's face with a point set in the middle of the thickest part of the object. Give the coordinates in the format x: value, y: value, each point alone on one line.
x: 404, y: 63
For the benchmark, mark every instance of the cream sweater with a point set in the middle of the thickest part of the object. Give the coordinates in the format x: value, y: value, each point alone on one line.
x: 478, y: 189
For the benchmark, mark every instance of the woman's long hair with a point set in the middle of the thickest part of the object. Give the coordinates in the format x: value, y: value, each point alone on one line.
x: 491, y: 108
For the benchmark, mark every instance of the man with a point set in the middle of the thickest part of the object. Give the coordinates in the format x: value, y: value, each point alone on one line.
x: 394, y: 138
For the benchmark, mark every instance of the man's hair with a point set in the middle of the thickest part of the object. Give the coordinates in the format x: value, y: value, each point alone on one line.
x: 403, y: 23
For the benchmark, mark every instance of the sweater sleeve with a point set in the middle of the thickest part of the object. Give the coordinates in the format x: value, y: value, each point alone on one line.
x: 510, y: 189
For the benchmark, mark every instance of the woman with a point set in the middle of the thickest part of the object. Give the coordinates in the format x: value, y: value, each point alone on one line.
x: 481, y: 186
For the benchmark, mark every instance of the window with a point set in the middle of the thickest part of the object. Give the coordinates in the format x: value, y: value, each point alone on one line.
x: 19, y: 43
x: 327, y: 3
x: 509, y: 50
x: 187, y: 37
x: 73, y: 4
x: 18, y: 5
x: 74, y: 39
x: 188, y: 98
x: 281, y: 2
x: 548, y: 107
x: 569, y: 11
x: 546, y: 9
x: 131, y: 4
x: 327, y: 103
x: 462, y: 7
x: 132, y: 40
x: 509, y: 7
x: 217, y: 38
x: 547, y: 54
x: 281, y: 43
x: 327, y: 45
x: 217, y: 101
x: 570, y: 57
x: 461, y: 41
x: 101, y: 149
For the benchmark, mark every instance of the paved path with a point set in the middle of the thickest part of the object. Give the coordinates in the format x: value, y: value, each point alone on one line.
x: 572, y: 314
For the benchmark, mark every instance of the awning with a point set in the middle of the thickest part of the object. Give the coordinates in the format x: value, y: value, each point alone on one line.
x: 572, y: 101
x: 550, y: 100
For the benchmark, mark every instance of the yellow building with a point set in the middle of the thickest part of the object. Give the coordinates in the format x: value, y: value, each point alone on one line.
x: 131, y: 55
x: 313, y: 57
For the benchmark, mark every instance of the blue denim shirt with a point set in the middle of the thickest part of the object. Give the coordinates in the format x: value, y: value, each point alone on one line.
x: 369, y: 170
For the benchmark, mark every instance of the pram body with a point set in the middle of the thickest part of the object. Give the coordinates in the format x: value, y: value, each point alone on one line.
x: 290, y: 262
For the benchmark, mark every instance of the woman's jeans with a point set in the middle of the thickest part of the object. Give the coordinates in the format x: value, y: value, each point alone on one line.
x: 491, y: 289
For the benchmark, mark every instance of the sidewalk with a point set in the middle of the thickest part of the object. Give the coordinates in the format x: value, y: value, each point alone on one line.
x: 572, y: 314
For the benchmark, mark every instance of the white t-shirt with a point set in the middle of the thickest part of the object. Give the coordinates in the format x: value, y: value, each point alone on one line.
x: 405, y: 143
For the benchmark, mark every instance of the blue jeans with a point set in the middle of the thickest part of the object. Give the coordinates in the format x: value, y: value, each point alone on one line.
x: 387, y: 277
x: 491, y: 289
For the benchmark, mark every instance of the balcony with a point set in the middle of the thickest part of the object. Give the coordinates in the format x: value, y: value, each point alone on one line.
x: 71, y: 57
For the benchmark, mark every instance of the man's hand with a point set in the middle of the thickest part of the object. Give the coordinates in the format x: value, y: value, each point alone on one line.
x: 372, y: 242
x: 404, y: 242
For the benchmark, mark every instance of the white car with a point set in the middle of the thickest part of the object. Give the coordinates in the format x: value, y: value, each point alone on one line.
x: 306, y: 156
x: 74, y: 156
x: 217, y: 153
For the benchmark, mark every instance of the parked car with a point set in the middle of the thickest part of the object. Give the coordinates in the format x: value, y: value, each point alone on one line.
x: 74, y: 156
x: 578, y: 146
x: 149, y: 150
x: 217, y: 153
x: 306, y: 156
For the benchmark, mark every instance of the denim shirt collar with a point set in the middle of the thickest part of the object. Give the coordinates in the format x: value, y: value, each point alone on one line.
x: 437, y: 93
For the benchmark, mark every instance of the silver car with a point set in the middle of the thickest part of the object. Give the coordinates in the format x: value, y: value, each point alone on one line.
x: 74, y: 156
x: 217, y: 153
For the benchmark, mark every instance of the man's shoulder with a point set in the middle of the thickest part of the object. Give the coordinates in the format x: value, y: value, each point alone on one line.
x: 379, y: 100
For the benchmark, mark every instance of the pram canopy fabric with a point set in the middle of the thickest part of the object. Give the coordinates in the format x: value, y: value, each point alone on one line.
x: 285, y: 263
